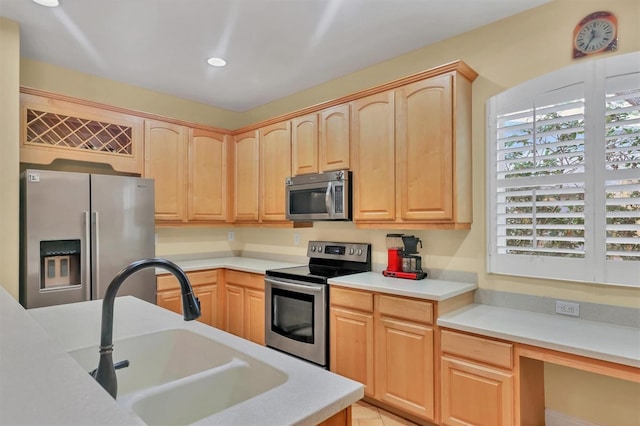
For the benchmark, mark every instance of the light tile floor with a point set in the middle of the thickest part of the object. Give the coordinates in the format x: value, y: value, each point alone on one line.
x: 364, y: 414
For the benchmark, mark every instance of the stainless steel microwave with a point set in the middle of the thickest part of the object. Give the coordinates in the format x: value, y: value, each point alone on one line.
x: 321, y: 196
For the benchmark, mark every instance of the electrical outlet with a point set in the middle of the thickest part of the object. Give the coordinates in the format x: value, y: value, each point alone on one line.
x: 296, y: 238
x: 567, y: 308
x: 231, y: 236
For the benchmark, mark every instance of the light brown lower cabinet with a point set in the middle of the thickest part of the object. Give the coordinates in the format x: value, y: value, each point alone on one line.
x: 477, y: 380
x: 229, y: 300
x: 244, y: 305
x: 386, y: 343
x: 341, y: 418
x: 404, y: 354
x: 205, y: 287
x: 351, y: 336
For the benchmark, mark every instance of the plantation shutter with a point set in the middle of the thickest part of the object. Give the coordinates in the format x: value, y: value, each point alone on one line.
x: 622, y: 174
x: 564, y: 175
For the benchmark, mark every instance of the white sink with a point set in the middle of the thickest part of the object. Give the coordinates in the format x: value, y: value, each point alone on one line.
x: 178, y: 376
x: 158, y: 358
x: 193, y: 398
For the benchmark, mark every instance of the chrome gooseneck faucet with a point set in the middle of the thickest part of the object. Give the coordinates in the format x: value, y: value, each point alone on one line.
x: 106, y: 373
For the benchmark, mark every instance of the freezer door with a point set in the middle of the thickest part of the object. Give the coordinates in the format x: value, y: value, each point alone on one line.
x: 54, y: 238
x: 123, y: 232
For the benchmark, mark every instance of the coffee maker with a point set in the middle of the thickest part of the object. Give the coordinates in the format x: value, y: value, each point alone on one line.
x: 402, y: 257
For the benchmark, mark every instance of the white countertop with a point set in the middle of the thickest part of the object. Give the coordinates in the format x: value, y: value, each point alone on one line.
x: 42, y: 384
x: 373, y: 281
x: 422, y: 289
x: 246, y: 264
x: 599, y: 340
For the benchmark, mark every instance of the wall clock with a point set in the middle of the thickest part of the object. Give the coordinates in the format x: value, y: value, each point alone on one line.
x: 596, y: 33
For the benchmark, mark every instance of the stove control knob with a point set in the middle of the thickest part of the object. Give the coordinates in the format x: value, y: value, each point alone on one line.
x: 319, y: 249
x: 313, y: 248
x: 351, y: 250
x: 359, y: 252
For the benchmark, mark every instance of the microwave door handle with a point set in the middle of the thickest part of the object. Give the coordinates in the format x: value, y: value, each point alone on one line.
x: 328, y: 199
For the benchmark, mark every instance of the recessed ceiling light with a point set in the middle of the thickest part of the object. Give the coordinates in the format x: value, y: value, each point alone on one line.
x: 48, y: 3
x: 217, y: 62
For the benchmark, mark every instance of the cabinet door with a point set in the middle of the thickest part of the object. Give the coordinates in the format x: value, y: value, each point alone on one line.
x: 335, y: 134
x: 254, y: 315
x: 373, y: 157
x: 165, y: 148
x: 351, y: 346
x: 404, y: 366
x: 304, y: 144
x: 208, y: 296
x: 246, y: 177
x: 234, y: 318
x: 275, y: 167
x: 171, y: 300
x: 207, y: 191
x: 475, y: 394
x: 424, y: 145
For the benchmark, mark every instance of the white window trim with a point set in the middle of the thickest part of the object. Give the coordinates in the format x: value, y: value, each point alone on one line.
x: 592, y: 75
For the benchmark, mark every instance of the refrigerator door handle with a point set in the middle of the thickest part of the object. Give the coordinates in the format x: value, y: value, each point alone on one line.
x: 87, y: 257
x: 95, y: 255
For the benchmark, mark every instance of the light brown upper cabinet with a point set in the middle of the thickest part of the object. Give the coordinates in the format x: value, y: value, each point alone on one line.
x: 335, y: 125
x: 207, y: 189
x: 320, y: 142
x: 165, y: 157
x: 304, y: 144
x: 190, y: 171
x: 246, y: 154
x: 373, y: 159
x: 275, y: 167
x: 424, y: 131
x: 56, y: 127
x: 412, y: 154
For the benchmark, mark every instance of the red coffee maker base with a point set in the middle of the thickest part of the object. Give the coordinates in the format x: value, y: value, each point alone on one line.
x: 406, y: 275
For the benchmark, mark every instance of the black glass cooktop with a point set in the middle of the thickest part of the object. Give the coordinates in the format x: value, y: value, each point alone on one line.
x: 318, y: 274
x: 328, y: 260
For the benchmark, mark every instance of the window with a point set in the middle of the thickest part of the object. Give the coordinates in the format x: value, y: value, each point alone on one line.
x: 564, y: 174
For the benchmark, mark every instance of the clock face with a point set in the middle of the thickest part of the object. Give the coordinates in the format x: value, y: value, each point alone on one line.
x: 595, y: 33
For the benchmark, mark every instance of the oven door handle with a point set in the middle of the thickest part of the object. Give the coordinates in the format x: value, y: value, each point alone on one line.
x: 288, y: 284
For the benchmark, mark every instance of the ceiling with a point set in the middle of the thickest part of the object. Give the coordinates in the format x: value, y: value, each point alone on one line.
x: 273, y: 48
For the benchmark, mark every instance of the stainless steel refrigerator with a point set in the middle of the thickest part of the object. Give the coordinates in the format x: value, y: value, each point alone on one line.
x: 78, y: 230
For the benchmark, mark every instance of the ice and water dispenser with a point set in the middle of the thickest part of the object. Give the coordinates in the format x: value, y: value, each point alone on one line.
x: 59, y: 264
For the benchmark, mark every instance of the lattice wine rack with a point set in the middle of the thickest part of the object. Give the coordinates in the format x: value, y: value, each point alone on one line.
x: 72, y: 132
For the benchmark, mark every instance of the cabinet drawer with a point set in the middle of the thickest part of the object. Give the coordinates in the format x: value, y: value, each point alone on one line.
x: 245, y: 279
x: 209, y: 276
x: 169, y: 282
x: 477, y: 348
x: 166, y: 282
x: 360, y: 300
x: 413, y: 310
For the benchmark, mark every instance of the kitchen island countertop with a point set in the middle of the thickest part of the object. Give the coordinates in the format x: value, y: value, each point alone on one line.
x: 42, y: 384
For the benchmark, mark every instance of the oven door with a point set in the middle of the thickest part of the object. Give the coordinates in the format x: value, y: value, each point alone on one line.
x: 296, y: 318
